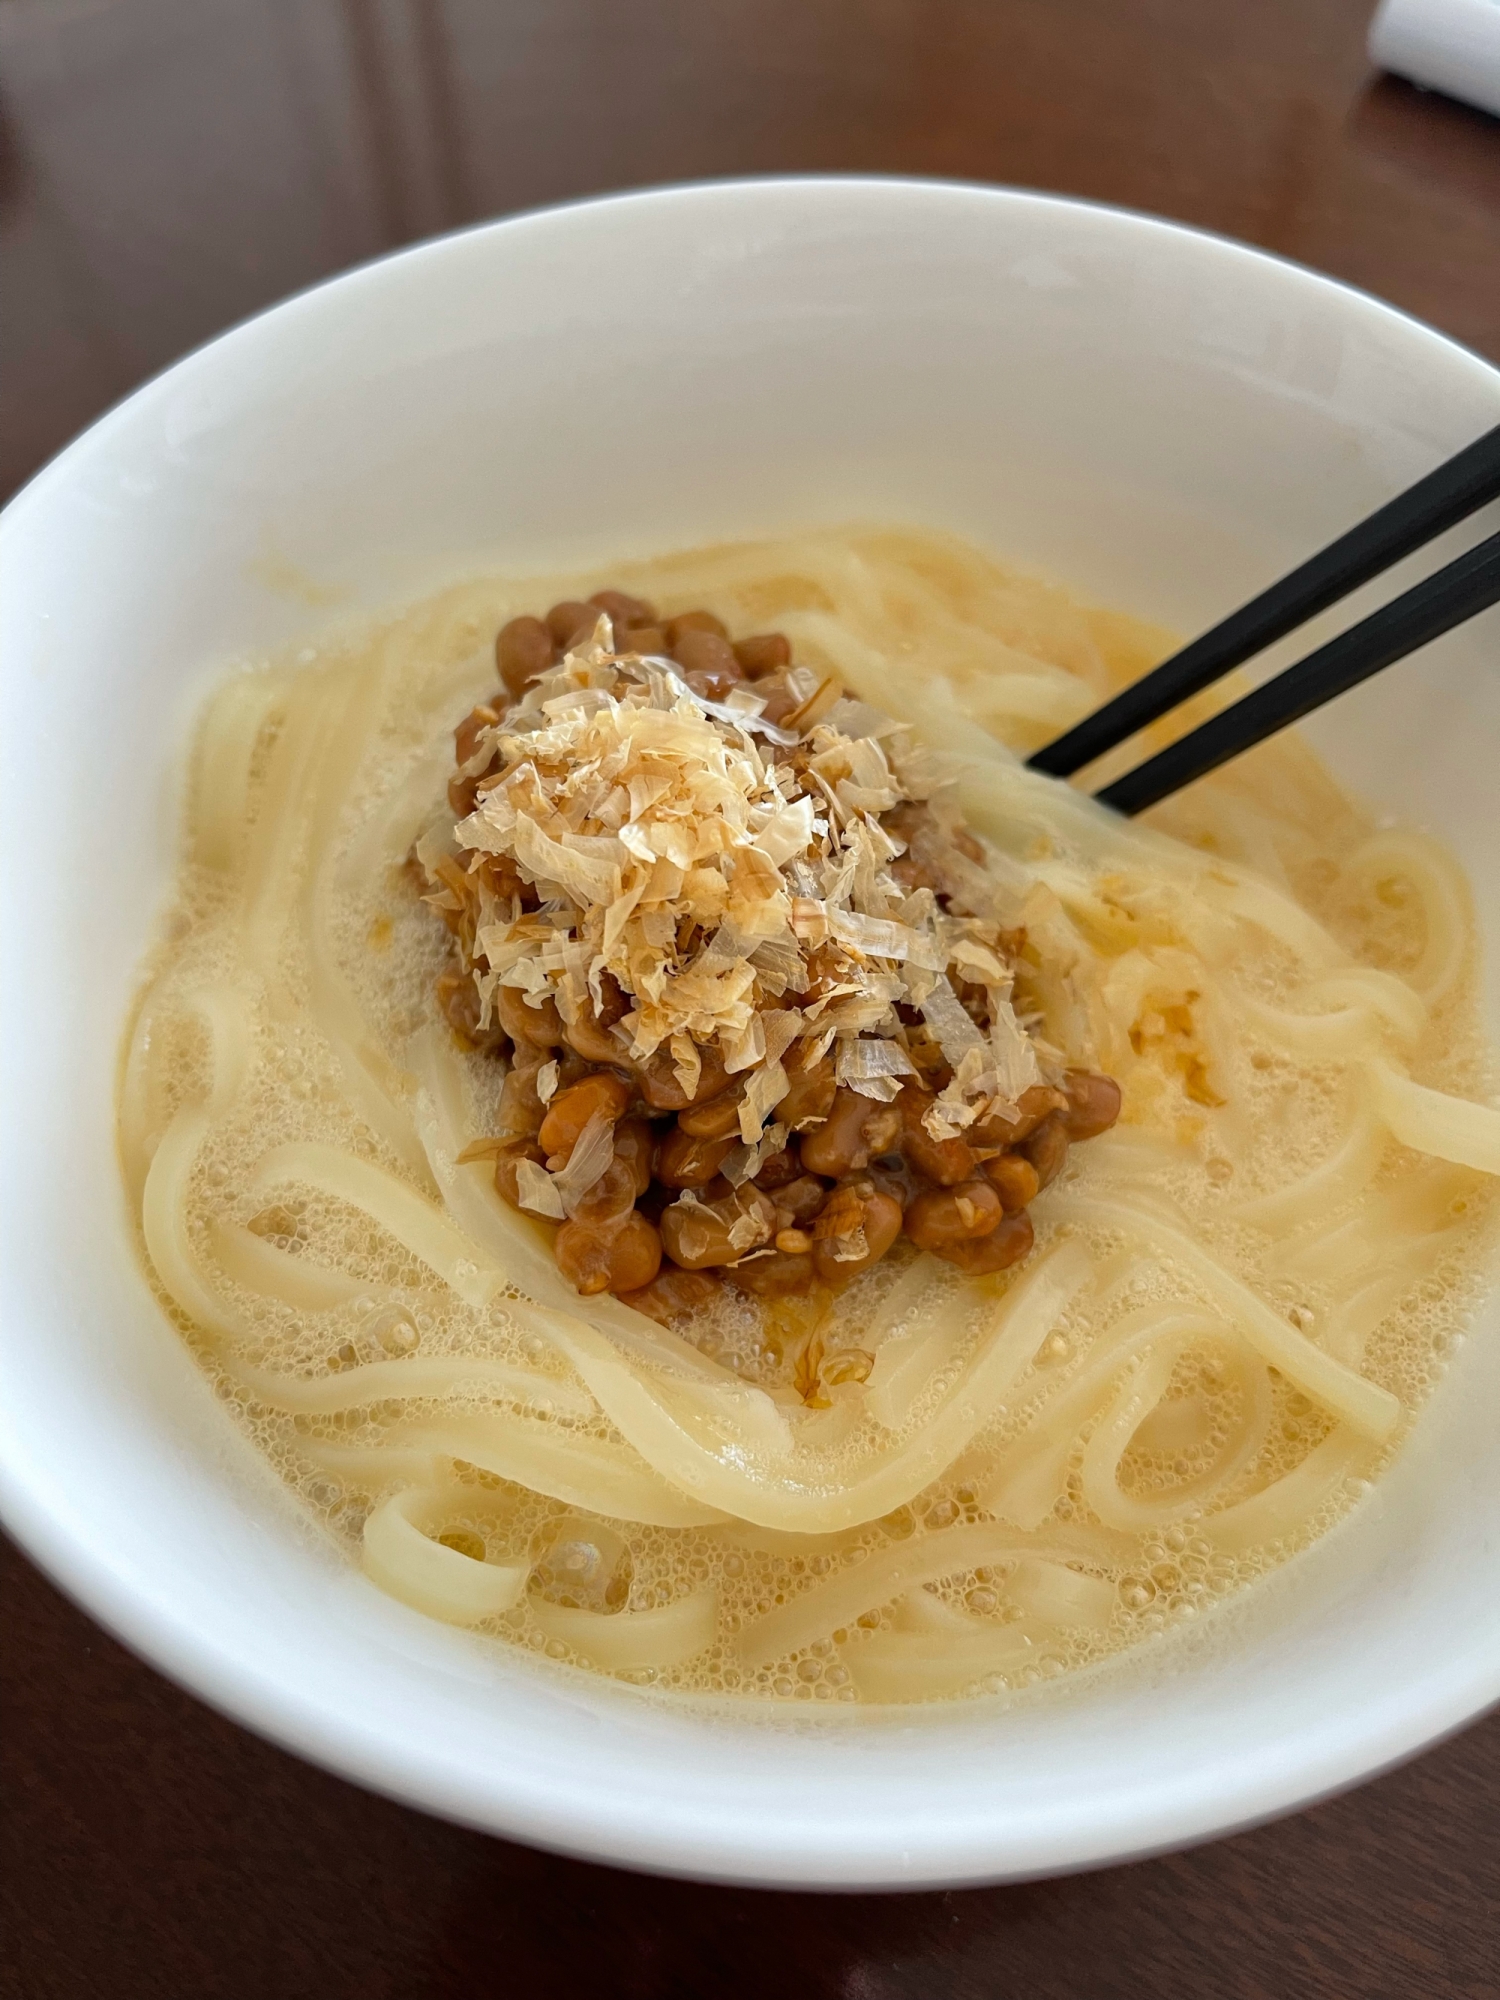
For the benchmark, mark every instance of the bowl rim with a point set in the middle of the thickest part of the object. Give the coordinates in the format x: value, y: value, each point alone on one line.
x: 654, y: 192
x: 601, y: 1831
x: 189, y: 1652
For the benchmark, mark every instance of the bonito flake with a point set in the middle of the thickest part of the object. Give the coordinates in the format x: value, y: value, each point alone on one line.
x: 734, y: 884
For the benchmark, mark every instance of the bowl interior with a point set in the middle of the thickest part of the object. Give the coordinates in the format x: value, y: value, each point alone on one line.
x: 1160, y: 419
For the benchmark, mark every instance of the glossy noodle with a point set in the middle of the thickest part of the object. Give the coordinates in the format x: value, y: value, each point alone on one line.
x: 920, y: 1483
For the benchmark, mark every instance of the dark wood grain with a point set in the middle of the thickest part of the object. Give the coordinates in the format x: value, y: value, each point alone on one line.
x: 168, y: 166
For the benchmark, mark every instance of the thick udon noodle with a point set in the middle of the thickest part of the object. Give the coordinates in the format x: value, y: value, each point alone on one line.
x: 1237, y: 1299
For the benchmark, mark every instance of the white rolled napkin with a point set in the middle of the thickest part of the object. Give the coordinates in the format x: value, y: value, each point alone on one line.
x: 1447, y: 45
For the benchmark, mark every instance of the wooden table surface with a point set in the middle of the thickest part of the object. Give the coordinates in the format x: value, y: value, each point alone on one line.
x: 168, y: 166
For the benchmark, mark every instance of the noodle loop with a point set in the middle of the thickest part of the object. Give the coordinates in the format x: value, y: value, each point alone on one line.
x: 1077, y: 1210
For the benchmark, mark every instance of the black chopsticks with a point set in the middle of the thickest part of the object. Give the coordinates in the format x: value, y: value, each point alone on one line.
x: 1442, y: 601
x: 1449, y: 495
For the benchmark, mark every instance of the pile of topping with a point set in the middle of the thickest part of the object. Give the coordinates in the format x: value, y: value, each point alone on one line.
x: 749, y: 968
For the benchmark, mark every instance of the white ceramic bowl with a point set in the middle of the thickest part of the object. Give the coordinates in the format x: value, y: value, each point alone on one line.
x: 1160, y: 418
